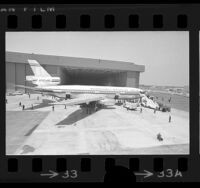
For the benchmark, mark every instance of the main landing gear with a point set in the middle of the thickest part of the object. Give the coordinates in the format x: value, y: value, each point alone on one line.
x: 91, y: 107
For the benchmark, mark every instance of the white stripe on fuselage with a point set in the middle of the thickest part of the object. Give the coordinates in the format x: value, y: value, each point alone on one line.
x: 93, y: 89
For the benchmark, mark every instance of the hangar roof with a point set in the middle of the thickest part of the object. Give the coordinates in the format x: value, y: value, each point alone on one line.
x: 75, y: 62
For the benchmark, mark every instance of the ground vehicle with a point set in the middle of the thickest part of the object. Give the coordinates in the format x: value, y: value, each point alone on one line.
x: 164, y: 108
x: 130, y: 105
x: 15, y: 93
x: 18, y: 93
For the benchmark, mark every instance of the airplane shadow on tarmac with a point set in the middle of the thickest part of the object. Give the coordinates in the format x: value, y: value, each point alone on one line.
x: 79, y: 115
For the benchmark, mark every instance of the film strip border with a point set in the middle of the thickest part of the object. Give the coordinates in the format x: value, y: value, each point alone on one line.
x: 85, y: 169
x: 91, y: 18
x: 109, y: 21
x: 104, y: 18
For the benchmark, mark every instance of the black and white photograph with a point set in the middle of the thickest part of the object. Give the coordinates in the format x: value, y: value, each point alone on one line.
x: 97, y: 93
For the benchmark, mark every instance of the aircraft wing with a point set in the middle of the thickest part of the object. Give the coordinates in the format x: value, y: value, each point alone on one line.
x: 80, y: 100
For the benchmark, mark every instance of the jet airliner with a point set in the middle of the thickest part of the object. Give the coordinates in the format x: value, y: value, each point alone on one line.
x: 78, y: 94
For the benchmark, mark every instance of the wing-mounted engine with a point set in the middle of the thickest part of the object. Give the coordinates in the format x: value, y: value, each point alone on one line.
x: 117, y: 96
x: 68, y: 96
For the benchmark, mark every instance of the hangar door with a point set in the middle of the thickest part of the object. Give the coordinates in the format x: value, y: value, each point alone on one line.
x: 10, y: 77
x: 72, y: 76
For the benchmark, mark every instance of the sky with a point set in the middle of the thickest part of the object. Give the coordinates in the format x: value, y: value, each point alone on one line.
x: 165, y: 54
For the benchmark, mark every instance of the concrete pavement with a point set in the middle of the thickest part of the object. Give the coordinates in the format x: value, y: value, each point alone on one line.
x: 108, y: 131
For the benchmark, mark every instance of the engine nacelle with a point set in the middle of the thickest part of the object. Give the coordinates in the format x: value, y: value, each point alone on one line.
x: 68, y: 96
x: 116, y: 97
x: 43, y: 81
x: 31, y: 78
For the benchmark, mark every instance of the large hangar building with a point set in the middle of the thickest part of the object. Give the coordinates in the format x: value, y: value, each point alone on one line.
x: 72, y: 70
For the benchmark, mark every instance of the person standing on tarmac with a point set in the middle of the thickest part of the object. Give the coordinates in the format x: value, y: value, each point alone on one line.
x: 159, y: 137
x: 170, y: 118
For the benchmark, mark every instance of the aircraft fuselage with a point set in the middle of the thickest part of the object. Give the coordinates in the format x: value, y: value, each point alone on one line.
x: 80, y: 89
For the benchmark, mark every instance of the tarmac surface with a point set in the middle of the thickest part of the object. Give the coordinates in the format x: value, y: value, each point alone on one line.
x: 112, y: 130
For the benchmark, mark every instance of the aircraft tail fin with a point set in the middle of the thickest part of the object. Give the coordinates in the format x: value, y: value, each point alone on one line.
x: 37, y: 69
